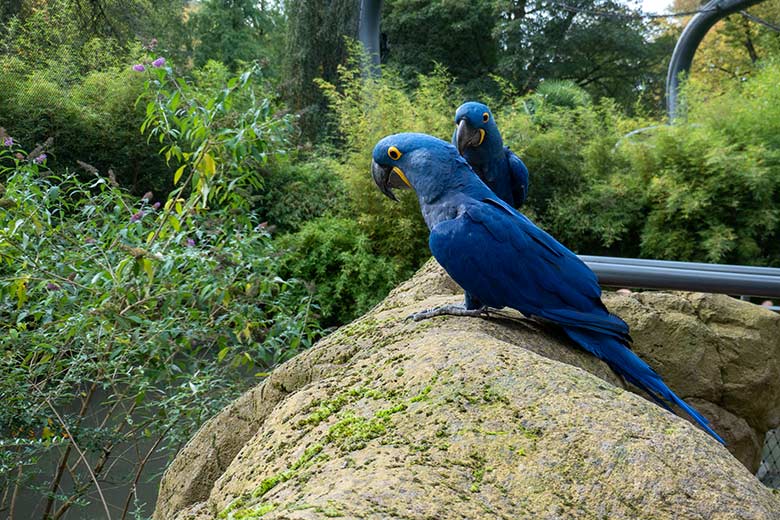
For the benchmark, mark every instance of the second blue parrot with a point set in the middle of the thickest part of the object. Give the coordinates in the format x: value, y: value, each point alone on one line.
x: 479, y: 141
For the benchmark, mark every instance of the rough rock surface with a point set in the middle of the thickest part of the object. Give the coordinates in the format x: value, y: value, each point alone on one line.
x: 462, y: 418
x: 720, y: 353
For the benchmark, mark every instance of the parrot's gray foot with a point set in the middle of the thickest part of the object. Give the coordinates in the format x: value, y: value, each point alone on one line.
x: 449, y: 310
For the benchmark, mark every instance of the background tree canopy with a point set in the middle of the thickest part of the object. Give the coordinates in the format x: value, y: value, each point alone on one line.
x: 604, y: 46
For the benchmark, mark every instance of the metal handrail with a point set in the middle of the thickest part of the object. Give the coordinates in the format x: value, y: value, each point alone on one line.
x: 690, y: 266
x: 660, y: 274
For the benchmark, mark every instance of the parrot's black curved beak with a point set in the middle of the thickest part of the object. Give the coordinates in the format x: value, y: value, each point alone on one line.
x: 386, y: 178
x: 468, y: 136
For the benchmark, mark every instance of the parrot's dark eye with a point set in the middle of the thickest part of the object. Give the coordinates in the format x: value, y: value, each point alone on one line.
x: 394, y: 153
x: 485, y: 117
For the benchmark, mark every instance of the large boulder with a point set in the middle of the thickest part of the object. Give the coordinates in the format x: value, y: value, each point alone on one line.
x: 720, y: 353
x: 456, y: 418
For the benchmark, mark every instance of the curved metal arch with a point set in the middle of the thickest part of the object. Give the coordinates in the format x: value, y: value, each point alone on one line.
x: 689, y: 41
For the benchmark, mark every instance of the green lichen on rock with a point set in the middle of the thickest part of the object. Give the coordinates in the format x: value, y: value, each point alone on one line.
x: 268, y: 484
x: 353, y: 433
x: 478, y: 473
x: 324, y: 409
x: 249, y: 513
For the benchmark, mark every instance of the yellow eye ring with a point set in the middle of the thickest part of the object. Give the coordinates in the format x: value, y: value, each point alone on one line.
x: 485, y: 117
x: 394, y: 153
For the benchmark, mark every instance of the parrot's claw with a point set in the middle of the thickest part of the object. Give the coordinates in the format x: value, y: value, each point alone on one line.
x: 449, y: 310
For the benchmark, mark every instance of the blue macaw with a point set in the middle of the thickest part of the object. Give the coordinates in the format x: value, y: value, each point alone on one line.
x: 499, y: 256
x: 479, y: 142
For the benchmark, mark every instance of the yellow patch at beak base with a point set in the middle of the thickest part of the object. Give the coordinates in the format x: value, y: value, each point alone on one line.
x: 481, y: 136
x: 398, y: 171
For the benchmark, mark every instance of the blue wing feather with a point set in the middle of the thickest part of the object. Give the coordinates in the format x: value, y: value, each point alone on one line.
x: 504, y: 260
x: 560, y: 288
x: 518, y: 174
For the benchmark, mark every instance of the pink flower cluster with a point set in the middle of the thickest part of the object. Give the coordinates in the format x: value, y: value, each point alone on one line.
x: 140, y: 67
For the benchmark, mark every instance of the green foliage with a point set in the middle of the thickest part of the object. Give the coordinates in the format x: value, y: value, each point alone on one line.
x: 91, y: 119
x: 736, y: 47
x: 565, y: 148
x: 296, y: 193
x: 236, y: 31
x: 219, y: 138
x: 86, y: 36
x: 703, y: 191
x: 148, y: 317
x: 601, y: 45
x: 315, y: 47
x: 456, y: 35
x: 562, y: 93
x: 720, y: 189
x: 349, y: 277
x: 73, y: 83
x: 617, y: 55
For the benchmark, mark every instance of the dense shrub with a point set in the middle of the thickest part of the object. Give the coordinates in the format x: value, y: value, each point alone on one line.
x: 91, y: 118
x: 704, y: 190
x: 154, y: 314
x: 365, y: 110
x: 347, y: 274
x: 295, y: 193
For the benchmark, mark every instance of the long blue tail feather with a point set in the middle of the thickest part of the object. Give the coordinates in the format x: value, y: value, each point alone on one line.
x: 623, y: 361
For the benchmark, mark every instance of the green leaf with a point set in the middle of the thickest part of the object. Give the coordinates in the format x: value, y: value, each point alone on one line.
x: 149, y: 268
x: 178, y: 174
x: 175, y: 223
x: 209, y: 166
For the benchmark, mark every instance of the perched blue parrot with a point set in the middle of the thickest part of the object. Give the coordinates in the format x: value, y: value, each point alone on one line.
x: 501, y: 258
x: 479, y: 141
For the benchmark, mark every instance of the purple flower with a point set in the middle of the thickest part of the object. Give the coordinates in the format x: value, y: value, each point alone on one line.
x: 8, y: 141
x: 52, y: 287
x: 40, y: 159
x: 156, y: 205
x: 139, y: 67
x: 159, y: 62
x: 190, y: 242
x: 137, y: 216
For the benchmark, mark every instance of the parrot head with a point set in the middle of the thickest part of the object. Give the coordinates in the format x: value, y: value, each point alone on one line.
x: 475, y: 124
x: 410, y: 160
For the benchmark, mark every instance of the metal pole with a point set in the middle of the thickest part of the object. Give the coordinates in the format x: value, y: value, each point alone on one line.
x: 368, y: 29
x: 762, y: 282
x: 694, y: 266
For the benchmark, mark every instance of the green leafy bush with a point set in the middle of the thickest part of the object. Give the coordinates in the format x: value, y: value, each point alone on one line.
x: 365, y: 110
x: 347, y: 274
x: 91, y: 118
x: 152, y: 316
x: 364, y: 244
x: 704, y: 190
x: 295, y: 193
